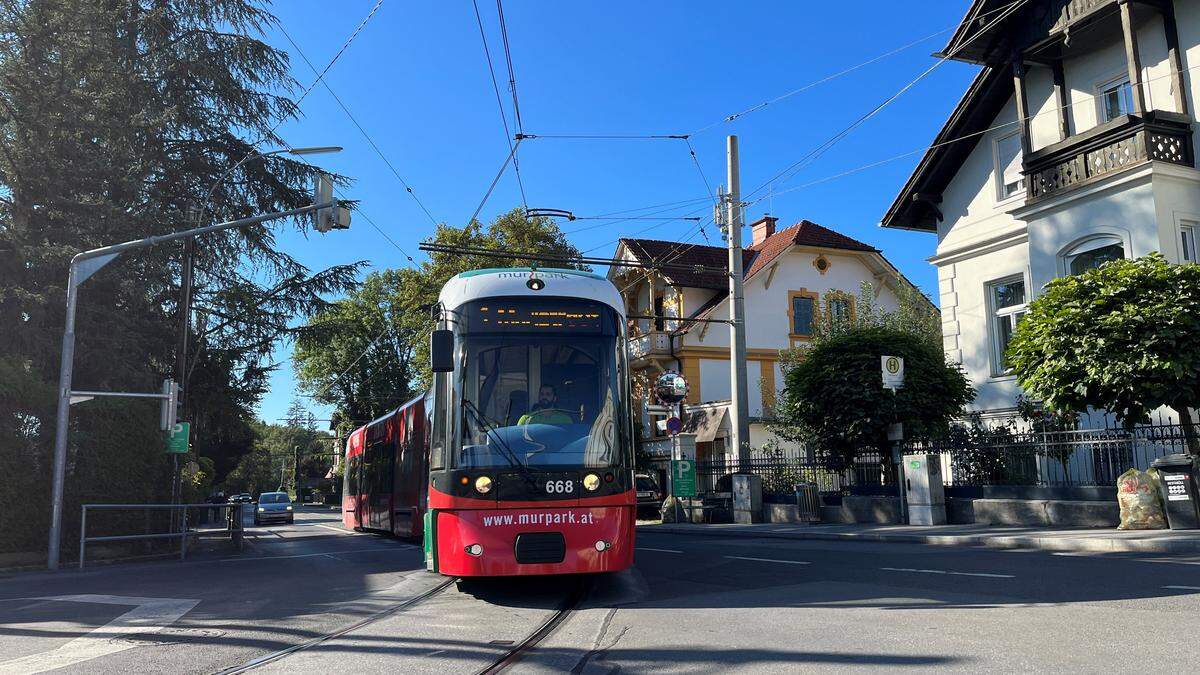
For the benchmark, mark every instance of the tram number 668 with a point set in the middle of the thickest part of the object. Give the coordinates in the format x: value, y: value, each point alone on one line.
x: 560, y: 487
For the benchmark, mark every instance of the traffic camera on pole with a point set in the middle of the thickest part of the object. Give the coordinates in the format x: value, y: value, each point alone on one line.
x: 335, y: 217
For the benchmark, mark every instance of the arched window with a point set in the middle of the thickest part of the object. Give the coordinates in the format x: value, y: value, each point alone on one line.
x: 1092, y: 253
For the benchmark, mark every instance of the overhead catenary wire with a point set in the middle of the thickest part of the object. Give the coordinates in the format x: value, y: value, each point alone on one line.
x: 815, y: 153
x: 965, y: 137
x: 508, y: 135
x: 361, y: 130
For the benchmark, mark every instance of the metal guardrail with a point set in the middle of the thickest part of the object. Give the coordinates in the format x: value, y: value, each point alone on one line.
x: 234, y: 527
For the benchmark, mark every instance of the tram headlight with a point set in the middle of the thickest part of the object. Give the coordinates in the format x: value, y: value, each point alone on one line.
x: 591, y: 482
x: 483, y: 485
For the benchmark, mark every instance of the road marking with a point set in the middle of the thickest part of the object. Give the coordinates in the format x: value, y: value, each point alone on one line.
x: 1183, y: 588
x: 957, y: 574
x: 150, y: 615
x: 339, y: 530
x: 382, y: 549
x: 789, y: 562
x: 660, y: 550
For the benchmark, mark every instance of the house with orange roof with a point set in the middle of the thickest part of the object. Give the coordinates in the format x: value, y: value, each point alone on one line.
x: 792, y: 278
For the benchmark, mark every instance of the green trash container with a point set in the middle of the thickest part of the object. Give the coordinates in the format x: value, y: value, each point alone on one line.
x: 1177, y: 474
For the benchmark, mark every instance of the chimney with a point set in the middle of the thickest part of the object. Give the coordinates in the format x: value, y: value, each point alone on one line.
x: 761, y: 229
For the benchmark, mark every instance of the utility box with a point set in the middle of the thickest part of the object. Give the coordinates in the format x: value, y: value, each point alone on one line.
x: 923, y: 487
x: 747, y: 498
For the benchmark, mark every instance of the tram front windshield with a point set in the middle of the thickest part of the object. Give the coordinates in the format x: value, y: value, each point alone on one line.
x: 538, y: 385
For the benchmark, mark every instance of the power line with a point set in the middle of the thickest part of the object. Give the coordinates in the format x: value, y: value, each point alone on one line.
x: 508, y: 137
x: 511, y: 154
x: 512, y: 78
x: 759, y: 106
x: 321, y: 76
x: 361, y: 130
x: 812, y: 155
x: 949, y: 141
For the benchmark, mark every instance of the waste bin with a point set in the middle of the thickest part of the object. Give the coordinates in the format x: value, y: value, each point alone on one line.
x: 1178, y: 475
x: 808, y: 503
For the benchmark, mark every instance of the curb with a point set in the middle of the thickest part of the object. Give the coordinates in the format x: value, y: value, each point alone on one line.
x: 999, y: 541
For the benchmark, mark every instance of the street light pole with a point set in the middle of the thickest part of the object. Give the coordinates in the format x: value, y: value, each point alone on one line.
x: 84, y: 265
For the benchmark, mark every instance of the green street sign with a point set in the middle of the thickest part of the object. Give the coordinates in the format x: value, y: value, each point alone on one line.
x: 683, y: 478
x: 177, y: 438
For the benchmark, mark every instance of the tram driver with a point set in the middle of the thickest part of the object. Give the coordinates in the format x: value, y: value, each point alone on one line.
x: 546, y: 410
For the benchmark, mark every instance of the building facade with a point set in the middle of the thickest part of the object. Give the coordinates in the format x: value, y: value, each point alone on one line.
x: 1073, y: 146
x: 792, y: 278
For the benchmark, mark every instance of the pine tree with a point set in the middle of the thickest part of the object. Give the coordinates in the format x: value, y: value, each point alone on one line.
x: 116, y: 117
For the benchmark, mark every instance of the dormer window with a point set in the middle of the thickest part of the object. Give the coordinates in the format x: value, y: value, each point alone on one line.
x: 1115, y: 98
x: 1009, y: 180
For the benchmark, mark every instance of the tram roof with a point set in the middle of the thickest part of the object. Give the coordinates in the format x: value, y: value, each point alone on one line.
x: 512, y: 282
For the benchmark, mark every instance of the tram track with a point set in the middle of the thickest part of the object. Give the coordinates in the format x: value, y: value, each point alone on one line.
x: 333, y: 635
x: 544, y: 629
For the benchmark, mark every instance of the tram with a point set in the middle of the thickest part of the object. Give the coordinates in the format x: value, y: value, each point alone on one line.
x: 519, y: 458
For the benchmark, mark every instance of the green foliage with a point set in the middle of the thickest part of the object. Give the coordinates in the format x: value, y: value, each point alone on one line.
x: 1122, y: 337
x: 388, y: 319
x: 270, y: 461
x: 116, y: 118
x: 834, y: 397
x: 914, y: 315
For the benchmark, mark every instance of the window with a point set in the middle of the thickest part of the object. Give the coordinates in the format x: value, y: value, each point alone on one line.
x: 801, y: 310
x: 1009, y: 181
x: 1008, y: 305
x: 839, y: 308
x: 1115, y: 98
x: 1187, y: 242
x: 1093, y: 253
x: 658, y: 312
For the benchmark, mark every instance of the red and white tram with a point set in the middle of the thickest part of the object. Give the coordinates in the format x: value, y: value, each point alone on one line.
x: 519, y: 459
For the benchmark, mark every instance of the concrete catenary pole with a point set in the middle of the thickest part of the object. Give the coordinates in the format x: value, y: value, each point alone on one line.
x: 739, y: 407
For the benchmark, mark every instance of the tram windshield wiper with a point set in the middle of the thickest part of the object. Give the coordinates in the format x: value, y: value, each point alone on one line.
x: 490, y: 432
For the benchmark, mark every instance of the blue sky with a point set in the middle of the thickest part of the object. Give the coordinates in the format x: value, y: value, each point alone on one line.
x: 417, y: 81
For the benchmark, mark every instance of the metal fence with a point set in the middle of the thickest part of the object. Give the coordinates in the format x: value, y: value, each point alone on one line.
x: 782, y: 470
x: 1003, y: 452
x: 1009, y: 455
x: 225, y: 518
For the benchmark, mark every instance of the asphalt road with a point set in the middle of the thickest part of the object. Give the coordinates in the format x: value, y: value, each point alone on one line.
x: 692, y: 604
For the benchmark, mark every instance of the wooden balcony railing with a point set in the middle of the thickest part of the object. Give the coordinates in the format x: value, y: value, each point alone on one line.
x: 1126, y: 142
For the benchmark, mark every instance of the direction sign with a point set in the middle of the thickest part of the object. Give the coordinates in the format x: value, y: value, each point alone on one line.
x: 892, y: 368
x: 177, y: 438
x: 683, y: 478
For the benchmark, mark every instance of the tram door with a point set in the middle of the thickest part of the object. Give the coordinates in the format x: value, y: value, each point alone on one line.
x: 381, y: 462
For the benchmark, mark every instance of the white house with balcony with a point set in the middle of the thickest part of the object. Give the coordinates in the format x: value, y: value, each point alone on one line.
x: 1074, y: 145
x: 791, y: 277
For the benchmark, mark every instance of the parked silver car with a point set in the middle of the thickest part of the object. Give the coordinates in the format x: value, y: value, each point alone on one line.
x: 274, y: 507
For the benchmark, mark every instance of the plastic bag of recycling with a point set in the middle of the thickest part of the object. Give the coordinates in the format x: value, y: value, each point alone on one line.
x: 1137, y: 494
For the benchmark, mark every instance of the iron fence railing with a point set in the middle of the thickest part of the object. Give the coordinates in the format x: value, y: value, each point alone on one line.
x: 1007, y: 455
x: 1005, y: 452
x: 781, y: 472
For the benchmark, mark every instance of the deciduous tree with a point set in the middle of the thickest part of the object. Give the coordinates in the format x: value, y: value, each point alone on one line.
x: 1124, y: 337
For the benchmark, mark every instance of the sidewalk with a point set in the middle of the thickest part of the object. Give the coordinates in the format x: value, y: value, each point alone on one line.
x: 1093, y: 540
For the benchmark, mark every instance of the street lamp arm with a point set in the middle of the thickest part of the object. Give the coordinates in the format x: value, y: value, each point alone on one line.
x: 175, y: 236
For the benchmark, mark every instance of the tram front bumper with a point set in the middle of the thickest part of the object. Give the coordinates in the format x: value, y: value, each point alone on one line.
x: 509, y: 542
